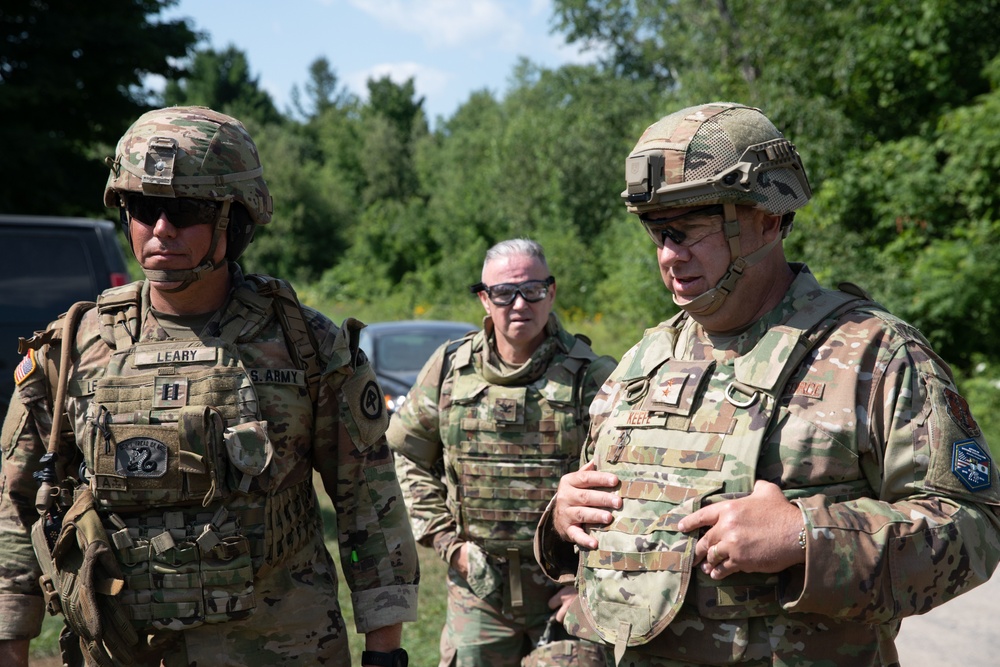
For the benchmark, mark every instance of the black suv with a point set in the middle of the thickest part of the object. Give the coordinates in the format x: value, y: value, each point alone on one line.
x: 48, y: 264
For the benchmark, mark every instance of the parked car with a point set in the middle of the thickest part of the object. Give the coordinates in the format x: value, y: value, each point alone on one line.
x: 49, y: 263
x: 398, y: 350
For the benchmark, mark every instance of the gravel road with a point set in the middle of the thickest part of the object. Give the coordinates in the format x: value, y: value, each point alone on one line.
x: 963, y: 632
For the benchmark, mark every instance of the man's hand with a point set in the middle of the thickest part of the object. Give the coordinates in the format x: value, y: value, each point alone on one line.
x: 756, y: 533
x: 460, y: 561
x: 562, y: 600
x: 580, y: 500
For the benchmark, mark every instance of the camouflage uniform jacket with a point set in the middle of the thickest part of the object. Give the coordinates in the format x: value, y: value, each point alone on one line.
x: 438, y: 439
x: 897, y: 491
x: 337, y: 437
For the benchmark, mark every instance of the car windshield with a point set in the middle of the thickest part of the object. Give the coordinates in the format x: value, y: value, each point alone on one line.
x: 407, y: 352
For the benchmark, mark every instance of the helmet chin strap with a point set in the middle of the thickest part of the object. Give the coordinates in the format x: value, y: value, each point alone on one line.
x: 710, y: 301
x: 187, y: 276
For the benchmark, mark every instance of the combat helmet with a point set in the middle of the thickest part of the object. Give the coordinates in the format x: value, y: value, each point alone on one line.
x: 717, y: 153
x: 198, y: 153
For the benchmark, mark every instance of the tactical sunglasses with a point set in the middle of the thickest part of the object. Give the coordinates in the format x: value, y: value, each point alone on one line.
x: 659, y: 230
x: 504, y: 294
x: 181, y: 211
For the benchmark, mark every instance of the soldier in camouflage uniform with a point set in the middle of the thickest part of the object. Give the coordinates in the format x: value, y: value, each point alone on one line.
x: 189, y: 413
x: 780, y: 473
x: 492, y: 423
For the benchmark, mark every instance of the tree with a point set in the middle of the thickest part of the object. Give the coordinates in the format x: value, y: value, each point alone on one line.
x: 322, y: 91
x: 71, y: 82
x: 222, y: 80
x: 835, y: 76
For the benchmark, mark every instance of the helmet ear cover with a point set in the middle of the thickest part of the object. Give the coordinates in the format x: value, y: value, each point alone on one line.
x: 240, y: 232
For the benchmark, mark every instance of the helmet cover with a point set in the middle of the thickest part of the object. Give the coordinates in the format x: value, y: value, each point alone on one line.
x: 717, y: 153
x: 192, y: 152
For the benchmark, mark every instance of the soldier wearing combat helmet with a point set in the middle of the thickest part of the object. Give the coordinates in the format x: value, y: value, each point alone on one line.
x: 780, y: 473
x: 171, y: 432
x: 503, y: 413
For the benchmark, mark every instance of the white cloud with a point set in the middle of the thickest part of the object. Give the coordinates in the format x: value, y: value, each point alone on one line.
x: 450, y: 23
x: 428, y: 81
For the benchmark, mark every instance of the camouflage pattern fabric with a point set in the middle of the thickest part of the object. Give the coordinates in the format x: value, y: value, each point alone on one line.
x: 297, y: 619
x: 440, y: 447
x: 208, y: 143
x: 899, y: 495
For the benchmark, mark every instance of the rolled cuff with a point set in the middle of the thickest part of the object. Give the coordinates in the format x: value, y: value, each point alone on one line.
x: 558, y: 559
x: 20, y: 616
x: 380, y: 607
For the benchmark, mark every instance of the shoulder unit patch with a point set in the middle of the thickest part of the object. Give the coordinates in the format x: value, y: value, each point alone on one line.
x: 24, y: 369
x: 971, y: 464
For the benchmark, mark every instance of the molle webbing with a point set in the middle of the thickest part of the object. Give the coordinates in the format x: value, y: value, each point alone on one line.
x: 292, y: 522
x: 723, y: 416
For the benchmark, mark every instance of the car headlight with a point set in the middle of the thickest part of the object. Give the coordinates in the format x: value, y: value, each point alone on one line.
x: 394, y: 403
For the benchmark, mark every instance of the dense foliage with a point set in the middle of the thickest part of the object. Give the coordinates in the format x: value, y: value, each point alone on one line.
x: 893, y: 106
x: 71, y: 81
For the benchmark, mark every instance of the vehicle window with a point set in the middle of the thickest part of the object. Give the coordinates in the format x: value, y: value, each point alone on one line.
x: 406, y: 351
x: 44, y: 271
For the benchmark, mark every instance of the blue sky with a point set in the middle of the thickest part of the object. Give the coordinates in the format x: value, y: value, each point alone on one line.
x: 450, y: 47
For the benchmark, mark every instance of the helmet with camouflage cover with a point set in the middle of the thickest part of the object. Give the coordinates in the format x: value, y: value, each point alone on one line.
x: 198, y: 153
x: 717, y: 153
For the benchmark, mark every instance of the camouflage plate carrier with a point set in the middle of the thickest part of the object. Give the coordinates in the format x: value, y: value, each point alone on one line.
x: 179, y: 454
x: 507, y: 448
x: 684, y: 434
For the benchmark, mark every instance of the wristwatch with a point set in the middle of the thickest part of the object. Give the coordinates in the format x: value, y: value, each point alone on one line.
x: 396, y: 658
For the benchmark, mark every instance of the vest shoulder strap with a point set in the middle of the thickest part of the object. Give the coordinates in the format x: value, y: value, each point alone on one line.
x: 118, y: 311
x: 778, y: 354
x: 300, y: 337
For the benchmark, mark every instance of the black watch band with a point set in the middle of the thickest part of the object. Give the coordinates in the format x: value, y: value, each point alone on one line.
x: 395, y: 658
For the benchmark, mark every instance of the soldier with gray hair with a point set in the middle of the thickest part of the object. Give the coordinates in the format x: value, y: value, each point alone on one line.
x: 780, y: 473
x: 493, y: 422
x: 158, y: 455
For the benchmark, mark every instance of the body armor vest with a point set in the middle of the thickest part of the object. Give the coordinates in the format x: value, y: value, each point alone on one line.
x: 685, y: 433
x: 506, y: 447
x: 177, y: 460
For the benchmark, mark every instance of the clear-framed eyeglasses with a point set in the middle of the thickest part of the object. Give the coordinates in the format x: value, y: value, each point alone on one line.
x: 699, y: 224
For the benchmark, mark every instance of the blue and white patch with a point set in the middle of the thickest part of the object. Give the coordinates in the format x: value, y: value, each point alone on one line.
x: 971, y: 464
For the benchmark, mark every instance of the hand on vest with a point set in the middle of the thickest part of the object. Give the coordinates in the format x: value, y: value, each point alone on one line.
x: 460, y: 561
x: 561, y: 601
x: 581, y: 499
x: 755, y: 533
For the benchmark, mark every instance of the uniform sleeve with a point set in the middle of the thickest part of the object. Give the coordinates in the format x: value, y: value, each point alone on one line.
x: 376, y: 546
x: 415, y: 438
x: 22, y: 443
x: 931, y: 531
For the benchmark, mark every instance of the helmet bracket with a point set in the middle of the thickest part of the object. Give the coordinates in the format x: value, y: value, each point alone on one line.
x: 157, y: 181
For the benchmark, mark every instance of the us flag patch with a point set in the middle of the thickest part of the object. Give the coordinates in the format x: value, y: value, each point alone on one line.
x: 25, y: 368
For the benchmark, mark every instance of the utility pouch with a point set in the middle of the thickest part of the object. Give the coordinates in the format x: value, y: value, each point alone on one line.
x: 250, y: 452
x: 174, y: 463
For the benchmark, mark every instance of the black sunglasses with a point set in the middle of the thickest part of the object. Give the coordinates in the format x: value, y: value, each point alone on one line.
x: 504, y: 294
x: 181, y: 212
